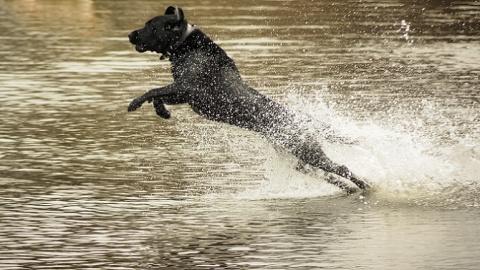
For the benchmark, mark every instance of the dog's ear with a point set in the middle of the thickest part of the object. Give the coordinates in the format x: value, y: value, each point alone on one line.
x: 178, y: 12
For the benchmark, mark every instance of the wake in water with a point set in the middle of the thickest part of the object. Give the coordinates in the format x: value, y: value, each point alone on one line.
x: 399, y: 162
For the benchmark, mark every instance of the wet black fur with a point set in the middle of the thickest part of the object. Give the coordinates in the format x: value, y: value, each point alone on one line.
x: 208, y: 80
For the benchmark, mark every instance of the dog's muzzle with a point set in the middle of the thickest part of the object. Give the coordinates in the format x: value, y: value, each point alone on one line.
x: 133, y: 38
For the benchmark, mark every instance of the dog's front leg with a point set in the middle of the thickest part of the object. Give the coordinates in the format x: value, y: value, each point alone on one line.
x: 166, y: 91
x: 160, y: 109
x: 159, y: 103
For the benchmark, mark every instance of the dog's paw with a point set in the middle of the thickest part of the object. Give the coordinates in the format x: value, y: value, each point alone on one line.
x: 165, y: 114
x: 135, y: 104
x: 160, y: 108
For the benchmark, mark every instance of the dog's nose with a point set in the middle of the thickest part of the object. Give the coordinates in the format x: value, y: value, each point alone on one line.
x: 133, y: 37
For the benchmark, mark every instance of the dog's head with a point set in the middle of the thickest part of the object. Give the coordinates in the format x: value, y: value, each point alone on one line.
x: 160, y: 34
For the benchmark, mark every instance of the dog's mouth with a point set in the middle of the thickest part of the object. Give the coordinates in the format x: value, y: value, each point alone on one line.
x: 141, y: 48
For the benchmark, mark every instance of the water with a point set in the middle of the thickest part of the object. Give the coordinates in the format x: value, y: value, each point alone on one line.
x: 392, y: 88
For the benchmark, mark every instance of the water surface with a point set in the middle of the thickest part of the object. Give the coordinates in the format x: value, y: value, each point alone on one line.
x: 84, y: 185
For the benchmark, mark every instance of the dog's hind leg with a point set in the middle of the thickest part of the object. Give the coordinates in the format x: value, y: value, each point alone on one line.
x: 314, y: 155
x: 304, y: 168
x: 331, y: 180
x: 344, y: 172
x: 328, y: 165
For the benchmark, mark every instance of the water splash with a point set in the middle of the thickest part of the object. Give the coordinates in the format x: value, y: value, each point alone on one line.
x: 401, y: 161
x: 405, y: 29
x: 281, y: 180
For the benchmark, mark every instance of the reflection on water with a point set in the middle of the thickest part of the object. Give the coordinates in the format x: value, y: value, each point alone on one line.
x: 84, y: 185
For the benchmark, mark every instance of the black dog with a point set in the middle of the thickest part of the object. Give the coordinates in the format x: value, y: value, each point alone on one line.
x: 207, y: 79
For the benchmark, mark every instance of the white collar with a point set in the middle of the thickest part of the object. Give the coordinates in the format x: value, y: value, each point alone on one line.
x: 190, y: 28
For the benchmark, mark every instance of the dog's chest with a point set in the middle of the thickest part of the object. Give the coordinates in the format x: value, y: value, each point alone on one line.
x: 215, y: 88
